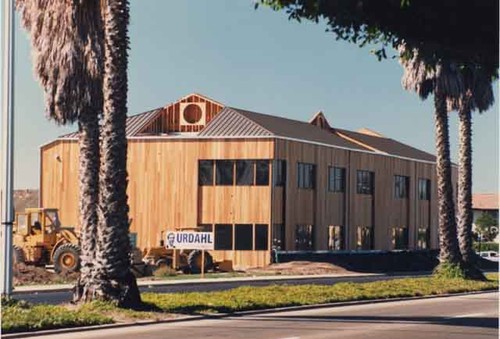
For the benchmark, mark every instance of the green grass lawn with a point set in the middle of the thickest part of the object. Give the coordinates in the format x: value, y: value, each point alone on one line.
x: 20, y: 316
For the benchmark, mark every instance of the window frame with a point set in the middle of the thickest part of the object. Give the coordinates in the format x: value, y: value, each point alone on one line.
x: 336, y: 179
x: 309, y: 232
x: 212, y: 165
x: 243, y: 241
x: 217, y: 246
x: 365, y: 182
x: 361, y: 231
x: 258, y: 180
x: 217, y: 173
x: 424, y: 189
x: 306, y: 175
x: 331, y: 240
x: 401, y: 186
x: 279, y: 173
x: 238, y: 178
x: 257, y: 243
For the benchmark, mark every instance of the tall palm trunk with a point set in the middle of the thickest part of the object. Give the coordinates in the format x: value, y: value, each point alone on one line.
x: 114, y: 277
x: 464, y: 201
x: 449, y: 250
x: 89, y: 198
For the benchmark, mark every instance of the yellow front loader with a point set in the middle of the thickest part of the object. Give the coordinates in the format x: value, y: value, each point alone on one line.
x: 39, y: 239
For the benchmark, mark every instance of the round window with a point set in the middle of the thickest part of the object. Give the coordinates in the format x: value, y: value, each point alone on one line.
x: 192, y: 113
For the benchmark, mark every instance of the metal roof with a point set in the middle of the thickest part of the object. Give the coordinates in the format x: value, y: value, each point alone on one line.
x: 388, y: 145
x: 135, y: 124
x: 237, y: 122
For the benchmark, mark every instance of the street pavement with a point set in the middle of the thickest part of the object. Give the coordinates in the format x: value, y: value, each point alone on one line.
x: 61, y: 296
x: 460, y: 317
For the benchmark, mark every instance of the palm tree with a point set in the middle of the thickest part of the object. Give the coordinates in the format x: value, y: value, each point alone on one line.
x: 114, y: 278
x: 66, y: 39
x: 446, y: 85
x: 478, y: 95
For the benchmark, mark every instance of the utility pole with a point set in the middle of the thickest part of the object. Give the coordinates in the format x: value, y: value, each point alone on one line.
x: 7, y: 149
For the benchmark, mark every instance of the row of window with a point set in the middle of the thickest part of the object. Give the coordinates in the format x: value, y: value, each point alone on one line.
x: 256, y: 172
x: 304, y: 238
x: 240, y: 237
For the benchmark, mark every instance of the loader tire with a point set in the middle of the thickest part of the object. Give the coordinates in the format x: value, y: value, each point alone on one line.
x: 194, y: 261
x: 67, y: 258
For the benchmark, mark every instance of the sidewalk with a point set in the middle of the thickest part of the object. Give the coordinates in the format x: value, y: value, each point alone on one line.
x: 166, y: 282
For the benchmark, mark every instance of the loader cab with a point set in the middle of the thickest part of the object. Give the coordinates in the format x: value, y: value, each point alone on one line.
x: 42, y: 224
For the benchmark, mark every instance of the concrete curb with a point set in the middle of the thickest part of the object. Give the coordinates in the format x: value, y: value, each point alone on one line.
x: 236, y: 314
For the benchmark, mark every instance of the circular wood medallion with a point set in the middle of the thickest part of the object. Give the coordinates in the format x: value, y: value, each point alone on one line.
x: 192, y: 113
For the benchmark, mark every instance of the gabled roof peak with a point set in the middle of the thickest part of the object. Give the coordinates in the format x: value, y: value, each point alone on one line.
x: 320, y: 121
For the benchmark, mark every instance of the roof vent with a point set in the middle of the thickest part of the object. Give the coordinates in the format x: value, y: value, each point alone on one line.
x: 192, y: 113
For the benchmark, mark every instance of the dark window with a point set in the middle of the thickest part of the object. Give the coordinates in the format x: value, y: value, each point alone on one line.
x: 365, y: 182
x: 279, y: 172
x: 303, y: 237
x: 335, y: 238
x: 424, y: 189
x: 243, y: 237
x: 364, y: 238
x: 244, y: 172
x: 261, y: 237
x: 278, y: 237
x: 224, y: 172
x: 424, y: 238
x: 206, y: 172
x: 399, y: 238
x: 401, y: 186
x: 336, y: 179
x: 306, y: 175
x: 262, y: 172
x: 205, y: 228
x: 223, y: 237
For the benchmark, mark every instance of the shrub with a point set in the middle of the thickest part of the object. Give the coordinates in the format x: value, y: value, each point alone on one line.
x: 486, y: 246
x: 164, y: 272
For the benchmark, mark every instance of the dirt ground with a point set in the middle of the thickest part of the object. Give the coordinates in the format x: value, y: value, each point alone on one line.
x: 299, y: 268
x: 32, y: 275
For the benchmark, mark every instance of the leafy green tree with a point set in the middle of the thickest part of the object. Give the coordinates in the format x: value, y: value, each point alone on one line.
x: 438, y: 52
x: 487, y: 226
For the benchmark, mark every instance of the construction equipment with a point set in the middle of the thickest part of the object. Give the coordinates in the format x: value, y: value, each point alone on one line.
x: 189, y: 261
x: 39, y: 239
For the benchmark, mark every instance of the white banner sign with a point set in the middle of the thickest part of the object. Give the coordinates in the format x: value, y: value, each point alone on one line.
x: 190, y: 240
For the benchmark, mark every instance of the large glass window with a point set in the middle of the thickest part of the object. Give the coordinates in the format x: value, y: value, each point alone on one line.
x: 336, y: 179
x: 223, y: 237
x: 364, y: 238
x: 224, y: 172
x: 401, y: 186
x: 244, y: 172
x: 306, y: 175
x: 424, y: 238
x: 205, y: 172
x: 365, y: 182
x: 262, y: 172
x: 304, y: 238
x: 335, y: 238
x: 424, y: 189
x: 399, y: 238
x: 279, y: 170
x: 278, y: 233
x: 243, y: 237
x: 261, y: 237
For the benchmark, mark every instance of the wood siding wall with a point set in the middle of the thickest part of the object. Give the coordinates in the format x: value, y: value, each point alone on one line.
x: 382, y: 210
x: 163, y: 189
x: 164, y: 193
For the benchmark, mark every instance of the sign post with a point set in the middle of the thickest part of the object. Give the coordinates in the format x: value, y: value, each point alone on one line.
x: 190, y: 241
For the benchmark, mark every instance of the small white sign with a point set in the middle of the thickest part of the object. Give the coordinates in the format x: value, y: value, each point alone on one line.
x: 190, y: 240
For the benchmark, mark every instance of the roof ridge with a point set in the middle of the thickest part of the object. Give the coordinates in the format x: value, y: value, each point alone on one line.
x: 234, y: 109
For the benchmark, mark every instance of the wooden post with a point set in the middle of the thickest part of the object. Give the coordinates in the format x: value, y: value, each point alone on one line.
x: 202, y: 264
x: 174, y: 260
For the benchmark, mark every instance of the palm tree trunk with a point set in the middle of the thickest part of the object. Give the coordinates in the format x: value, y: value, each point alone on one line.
x: 115, y: 279
x: 449, y: 250
x: 464, y: 201
x: 89, y: 197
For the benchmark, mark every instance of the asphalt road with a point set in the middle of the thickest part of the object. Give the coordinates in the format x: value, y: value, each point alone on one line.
x: 57, y: 297
x: 458, y: 317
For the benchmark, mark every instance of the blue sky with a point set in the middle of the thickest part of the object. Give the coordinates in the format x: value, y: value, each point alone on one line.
x: 257, y: 60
